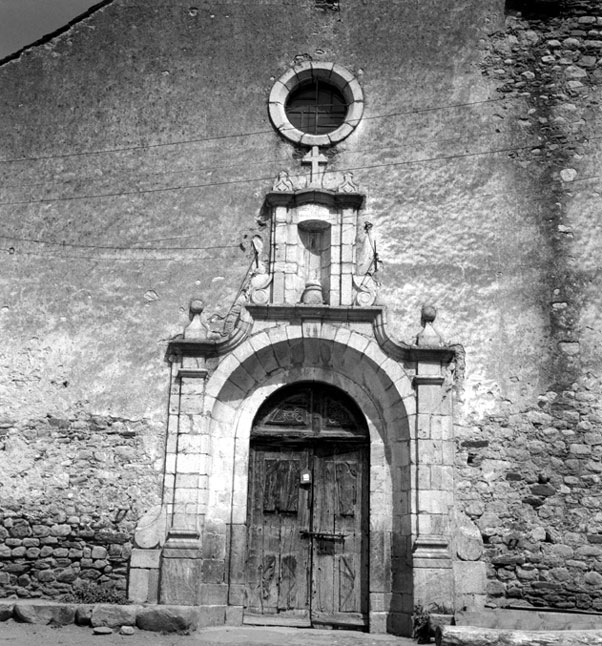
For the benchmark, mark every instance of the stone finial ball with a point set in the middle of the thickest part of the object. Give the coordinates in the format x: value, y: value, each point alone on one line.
x: 429, y: 313
x: 196, y: 306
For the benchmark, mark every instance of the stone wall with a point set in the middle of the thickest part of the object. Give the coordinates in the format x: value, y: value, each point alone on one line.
x: 136, y: 151
x: 529, y: 475
x: 528, y: 472
x: 71, y: 491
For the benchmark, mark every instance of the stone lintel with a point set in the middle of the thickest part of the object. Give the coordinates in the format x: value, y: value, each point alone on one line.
x: 300, y: 312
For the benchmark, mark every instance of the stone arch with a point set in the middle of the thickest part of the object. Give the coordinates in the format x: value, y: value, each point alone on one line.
x: 355, y: 363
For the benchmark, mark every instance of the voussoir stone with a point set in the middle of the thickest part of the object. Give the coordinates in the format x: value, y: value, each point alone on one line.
x: 41, y: 612
x: 168, y: 618
x: 113, y: 616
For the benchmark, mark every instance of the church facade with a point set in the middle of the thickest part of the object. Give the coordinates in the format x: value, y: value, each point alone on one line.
x: 300, y: 310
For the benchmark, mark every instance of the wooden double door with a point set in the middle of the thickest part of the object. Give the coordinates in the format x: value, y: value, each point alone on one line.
x: 307, y: 544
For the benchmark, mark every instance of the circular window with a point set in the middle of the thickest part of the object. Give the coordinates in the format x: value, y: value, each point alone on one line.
x: 316, y: 107
x: 316, y: 104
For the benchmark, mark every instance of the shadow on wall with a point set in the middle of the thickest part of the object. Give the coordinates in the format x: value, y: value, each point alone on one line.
x: 533, y: 8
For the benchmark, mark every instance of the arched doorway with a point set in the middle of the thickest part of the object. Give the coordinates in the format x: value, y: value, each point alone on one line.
x: 307, y: 518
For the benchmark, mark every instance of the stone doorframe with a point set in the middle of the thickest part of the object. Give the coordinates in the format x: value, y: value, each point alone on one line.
x: 192, y: 552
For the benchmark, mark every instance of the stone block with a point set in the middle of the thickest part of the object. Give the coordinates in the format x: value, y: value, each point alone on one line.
x: 400, y: 623
x: 470, y: 577
x: 430, y: 399
x: 153, y: 586
x: 83, y: 614
x: 6, y: 610
x: 433, y: 501
x: 191, y: 404
x: 433, y: 585
x: 378, y: 563
x: 44, y: 612
x: 236, y: 595
x: 378, y: 622
x: 430, y: 452
x: 145, y: 558
x: 213, y: 594
x: 182, y: 495
x: 234, y: 616
x: 168, y: 619
x: 380, y: 601
x: 214, y: 545
x: 189, y: 463
x: 180, y: 581
x: 213, y: 570
x: 212, y: 615
x: 138, y: 585
x: 114, y: 616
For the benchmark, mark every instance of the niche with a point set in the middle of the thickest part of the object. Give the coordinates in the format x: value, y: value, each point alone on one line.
x: 315, y: 263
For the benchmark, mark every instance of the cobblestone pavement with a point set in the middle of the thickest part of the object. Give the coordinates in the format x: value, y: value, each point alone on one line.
x: 16, y: 634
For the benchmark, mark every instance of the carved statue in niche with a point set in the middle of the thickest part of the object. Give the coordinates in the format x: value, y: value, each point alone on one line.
x: 257, y: 289
x: 367, y: 261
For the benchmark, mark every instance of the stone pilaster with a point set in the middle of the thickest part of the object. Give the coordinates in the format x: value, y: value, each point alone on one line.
x: 434, y: 458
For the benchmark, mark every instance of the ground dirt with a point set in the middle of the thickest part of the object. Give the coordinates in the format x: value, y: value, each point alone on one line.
x: 17, y: 634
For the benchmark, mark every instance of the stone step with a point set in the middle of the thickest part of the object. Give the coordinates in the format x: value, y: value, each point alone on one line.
x: 528, y: 619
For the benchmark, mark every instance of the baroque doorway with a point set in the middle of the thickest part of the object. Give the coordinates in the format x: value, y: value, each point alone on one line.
x: 307, y: 543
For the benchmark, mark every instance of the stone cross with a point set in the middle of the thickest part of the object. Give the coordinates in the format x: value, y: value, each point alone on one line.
x: 316, y: 159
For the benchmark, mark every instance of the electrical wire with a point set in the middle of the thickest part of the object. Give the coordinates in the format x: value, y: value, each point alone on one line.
x: 182, y: 187
x: 235, y: 135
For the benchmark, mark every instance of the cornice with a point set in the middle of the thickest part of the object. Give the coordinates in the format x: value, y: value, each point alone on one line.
x: 326, y: 197
x: 399, y: 351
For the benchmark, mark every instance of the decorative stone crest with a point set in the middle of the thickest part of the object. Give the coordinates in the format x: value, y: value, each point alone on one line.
x: 348, y: 185
x: 283, y: 182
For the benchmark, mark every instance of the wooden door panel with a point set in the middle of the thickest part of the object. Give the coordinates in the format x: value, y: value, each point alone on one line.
x: 339, y: 582
x: 277, y: 556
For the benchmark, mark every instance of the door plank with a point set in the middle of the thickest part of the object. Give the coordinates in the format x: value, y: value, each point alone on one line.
x: 277, y: 557
x: 339, y: 583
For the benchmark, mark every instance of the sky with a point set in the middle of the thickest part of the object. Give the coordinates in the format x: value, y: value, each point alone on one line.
x: 22, y: 22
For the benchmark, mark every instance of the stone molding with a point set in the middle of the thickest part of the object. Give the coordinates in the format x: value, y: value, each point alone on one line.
x: 376, y: 315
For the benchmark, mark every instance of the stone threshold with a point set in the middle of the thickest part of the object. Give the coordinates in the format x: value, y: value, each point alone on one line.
x: 156, y: 618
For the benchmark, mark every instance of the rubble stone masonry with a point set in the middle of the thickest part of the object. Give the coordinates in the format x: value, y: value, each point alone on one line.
x: 529, y: 476
x: 76, y: 491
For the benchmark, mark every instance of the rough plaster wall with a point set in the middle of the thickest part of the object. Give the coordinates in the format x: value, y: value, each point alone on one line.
x: 462, y: 203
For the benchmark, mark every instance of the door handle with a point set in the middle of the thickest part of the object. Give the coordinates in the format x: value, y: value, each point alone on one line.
x: 322, y: 535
